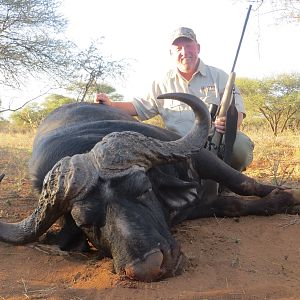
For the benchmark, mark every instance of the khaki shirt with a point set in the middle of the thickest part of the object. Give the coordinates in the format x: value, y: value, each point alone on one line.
x: 208, y: 83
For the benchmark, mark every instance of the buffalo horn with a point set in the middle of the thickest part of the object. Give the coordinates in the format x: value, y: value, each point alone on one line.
x: 68, y: 181
x: 120, y: 152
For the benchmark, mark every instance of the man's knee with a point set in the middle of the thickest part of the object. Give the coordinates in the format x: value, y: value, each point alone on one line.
x: 242, y: 155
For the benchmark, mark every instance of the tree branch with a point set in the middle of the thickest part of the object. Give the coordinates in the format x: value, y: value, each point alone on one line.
x: 28, y: 101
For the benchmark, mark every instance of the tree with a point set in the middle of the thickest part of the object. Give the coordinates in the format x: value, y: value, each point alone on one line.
x: 32, y: 115
x: 1, y: 118
x: 32, y: 43
x: 94, y: 88
x: 281, y: 101
x: 252, y: 97
x: 31, y: 40
x: 276, y: 99
x: 54, y: 101
x: 92, y: 68
x: 285, y: 10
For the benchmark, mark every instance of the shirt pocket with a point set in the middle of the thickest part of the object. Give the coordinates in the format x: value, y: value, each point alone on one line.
x: 211, y: 95
x: 175, y: 105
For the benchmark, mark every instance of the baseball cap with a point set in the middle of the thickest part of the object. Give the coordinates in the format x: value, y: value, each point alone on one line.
x: 183, y: 32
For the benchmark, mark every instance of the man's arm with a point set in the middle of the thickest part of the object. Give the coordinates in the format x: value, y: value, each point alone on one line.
x: 125, y: 106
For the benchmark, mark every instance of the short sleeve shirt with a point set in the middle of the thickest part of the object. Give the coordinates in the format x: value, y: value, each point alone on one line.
x: 208, y: 83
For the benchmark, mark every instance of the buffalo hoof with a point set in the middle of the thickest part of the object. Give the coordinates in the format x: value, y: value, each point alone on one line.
x: 154, y: 266
x: 295, y: 195
x: 282, y: 201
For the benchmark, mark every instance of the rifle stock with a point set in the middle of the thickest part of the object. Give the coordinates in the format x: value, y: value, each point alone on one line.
x: 222, y: 111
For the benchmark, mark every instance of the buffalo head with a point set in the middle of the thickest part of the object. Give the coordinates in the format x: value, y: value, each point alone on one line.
x: 116, y: 196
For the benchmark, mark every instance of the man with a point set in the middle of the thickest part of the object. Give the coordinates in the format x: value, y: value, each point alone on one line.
x: 191, y: 76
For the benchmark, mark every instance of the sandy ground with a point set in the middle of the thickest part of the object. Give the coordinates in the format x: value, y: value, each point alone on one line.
x: 245, y: 258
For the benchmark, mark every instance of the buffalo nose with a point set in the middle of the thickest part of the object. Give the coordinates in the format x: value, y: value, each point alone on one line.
x: 148, y: 269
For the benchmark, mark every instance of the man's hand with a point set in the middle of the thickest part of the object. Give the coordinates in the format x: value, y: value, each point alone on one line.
x: 220, y: 124
x: 125, y: 106
x: 102, y: 99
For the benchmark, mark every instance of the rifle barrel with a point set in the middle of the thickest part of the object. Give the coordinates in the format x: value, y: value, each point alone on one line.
x: 241, y: 39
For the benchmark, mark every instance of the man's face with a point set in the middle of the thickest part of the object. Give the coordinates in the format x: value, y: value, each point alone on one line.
x: 185, y: 53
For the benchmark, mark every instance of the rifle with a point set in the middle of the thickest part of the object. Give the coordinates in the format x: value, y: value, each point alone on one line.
x: 227, y: 108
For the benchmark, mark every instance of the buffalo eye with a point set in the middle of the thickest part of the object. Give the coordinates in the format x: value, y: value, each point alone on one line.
x: 132, y: 185
x: 90, y: 211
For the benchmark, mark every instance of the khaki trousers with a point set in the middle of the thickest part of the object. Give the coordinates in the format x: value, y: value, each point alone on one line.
x: 242, y: 154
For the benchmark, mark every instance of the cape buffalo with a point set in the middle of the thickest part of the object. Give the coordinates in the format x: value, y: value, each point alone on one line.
x: 120, y: 184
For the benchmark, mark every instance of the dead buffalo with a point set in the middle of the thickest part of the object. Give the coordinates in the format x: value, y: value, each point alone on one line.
x: 119, y: 185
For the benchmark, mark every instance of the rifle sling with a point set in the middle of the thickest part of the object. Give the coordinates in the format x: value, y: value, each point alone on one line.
x: 230, y: 132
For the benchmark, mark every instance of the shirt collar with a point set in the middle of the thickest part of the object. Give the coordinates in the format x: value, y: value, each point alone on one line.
x: 201, y: 68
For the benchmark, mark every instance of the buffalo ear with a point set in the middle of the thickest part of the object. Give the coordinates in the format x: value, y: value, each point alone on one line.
x: 90, y: 211
x: 175, y: 193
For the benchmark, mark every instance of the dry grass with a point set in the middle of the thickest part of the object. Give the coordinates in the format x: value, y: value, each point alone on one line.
x: 15, y: 149
x: 276, y: 160
x: 21, y: 141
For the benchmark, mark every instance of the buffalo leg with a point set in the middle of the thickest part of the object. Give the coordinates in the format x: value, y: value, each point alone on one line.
x: 278, y: 201
x: 208, y: 166
x: 70, y: 237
